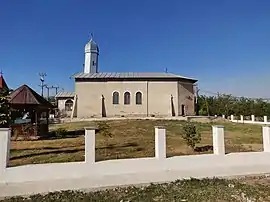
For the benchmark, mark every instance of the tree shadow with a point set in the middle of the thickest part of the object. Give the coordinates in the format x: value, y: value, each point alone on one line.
x: 68, y: 151
x: 68, y: 134
x: 103, y: 107
x: 172, y: 106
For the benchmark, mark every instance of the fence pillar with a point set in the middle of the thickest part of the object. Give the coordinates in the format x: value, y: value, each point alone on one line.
x: 90, y: 145
x: 253, y: 118
x: 265, y: 119
x: 218, y: 140
x: 266, y: 138
x: 160, y: 142
x: 232, y: 118
x: 4, y: 148
x: 242, y: 118
x: 223, y: 116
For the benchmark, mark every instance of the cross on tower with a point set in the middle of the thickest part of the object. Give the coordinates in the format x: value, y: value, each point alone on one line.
x: 91, y: 35
x: 1, y: 73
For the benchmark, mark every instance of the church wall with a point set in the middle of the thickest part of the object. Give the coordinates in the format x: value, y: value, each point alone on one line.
x: 160, y: 94
x: 186, y: 98
x: 90, y: 98
x: 157, y: 102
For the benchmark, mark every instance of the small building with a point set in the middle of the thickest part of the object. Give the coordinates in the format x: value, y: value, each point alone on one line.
x: 65, y: 101
x: 29, y: 112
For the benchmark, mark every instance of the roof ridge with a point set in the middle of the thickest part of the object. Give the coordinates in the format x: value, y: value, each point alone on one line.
x: 16, y: 92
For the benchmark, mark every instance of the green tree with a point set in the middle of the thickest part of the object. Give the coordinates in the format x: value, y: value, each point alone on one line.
x: 227, y: 104
x: 191, y: 134
x: 4, y: 108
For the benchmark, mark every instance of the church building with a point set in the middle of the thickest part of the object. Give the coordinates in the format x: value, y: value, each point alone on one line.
x: 112, y: 94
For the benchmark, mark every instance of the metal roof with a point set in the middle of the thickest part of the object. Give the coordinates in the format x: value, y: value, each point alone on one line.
x: 65, y: 94
x: 129, y: 75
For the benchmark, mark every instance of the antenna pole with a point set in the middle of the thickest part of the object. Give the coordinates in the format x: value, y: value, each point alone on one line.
x: 42, y: 80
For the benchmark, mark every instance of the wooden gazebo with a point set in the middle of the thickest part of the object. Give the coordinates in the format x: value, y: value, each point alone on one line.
x: 29, y: 112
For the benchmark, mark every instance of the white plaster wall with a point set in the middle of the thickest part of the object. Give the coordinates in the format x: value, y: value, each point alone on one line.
x: 186, y: 90
x: 156, y: 102
x: 61, y: 104
x: 87, y: 62
x: 55, y: 177
x: 30, y: 179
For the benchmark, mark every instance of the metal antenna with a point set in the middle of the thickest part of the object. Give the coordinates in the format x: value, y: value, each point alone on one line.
x: 166, y: 70
x: 42, y: 80
x: 91, y: 36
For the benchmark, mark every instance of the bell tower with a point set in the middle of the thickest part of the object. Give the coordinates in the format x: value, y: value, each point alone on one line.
x: 91, y: 52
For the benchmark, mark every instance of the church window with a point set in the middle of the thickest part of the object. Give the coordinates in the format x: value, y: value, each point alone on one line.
x: 93, y: 63
x: 68, y: 105
x: 126, y: 98
x: 138, y: 98
x: 115, y: 98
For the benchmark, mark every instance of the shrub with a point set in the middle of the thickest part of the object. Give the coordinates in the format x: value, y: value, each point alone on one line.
x: 104, y: 128
x: 60, y: 132
x: 191, y: 134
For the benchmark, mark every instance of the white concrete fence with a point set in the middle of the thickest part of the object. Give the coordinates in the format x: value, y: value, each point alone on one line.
x: 253, y: 121
x: 40, y: 178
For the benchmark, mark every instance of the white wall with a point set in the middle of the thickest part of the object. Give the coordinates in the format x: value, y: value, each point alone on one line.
x: 30, y: 179
x: 156, y: 98
x: 252, y: 121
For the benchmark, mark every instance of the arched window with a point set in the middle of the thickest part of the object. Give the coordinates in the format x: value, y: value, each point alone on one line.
x: 138, y: 98
x: 115, y: 98
x: 126, y: 98
x: 68, y: 105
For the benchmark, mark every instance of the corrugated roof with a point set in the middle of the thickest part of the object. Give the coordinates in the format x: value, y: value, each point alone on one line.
x: 65, y: 94
x: 129, y: 75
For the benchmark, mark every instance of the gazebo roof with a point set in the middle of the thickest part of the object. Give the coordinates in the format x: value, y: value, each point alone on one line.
x: 25, y: 95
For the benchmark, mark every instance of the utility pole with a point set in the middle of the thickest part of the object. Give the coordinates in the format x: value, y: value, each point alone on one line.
x: 42, y: 79
x: 48, y: 90
x: 56, y: 89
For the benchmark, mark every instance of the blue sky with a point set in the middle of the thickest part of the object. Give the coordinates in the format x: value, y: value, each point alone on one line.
x: 225, y: 43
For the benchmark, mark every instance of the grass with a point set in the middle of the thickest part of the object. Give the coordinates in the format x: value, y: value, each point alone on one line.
x: 216, y: 190
x: 134, y: 139
x: 130, y: 139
